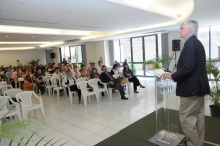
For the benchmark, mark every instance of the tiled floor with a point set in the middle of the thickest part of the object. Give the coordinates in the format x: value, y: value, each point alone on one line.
x: 81, y: 126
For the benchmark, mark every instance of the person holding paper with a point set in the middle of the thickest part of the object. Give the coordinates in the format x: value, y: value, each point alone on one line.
x: 192, y: 84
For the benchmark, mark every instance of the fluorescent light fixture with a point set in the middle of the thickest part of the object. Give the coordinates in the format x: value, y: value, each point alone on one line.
x: 16, y: 48
x: 9, y: 43
x: 48, y: 31
x: 50, y: 44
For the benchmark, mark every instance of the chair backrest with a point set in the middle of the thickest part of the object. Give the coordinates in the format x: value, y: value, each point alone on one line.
x: 12, y: 92
x: 82, y: 79
x: 82, y: 85
x: 3, y: 105
x: 55, y: 82
x: 94, y: 82
x: 5, y: 87
x: 46, y: 80
x: 25, y: 97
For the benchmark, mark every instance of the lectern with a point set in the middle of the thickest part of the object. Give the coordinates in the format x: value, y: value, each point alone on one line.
x: 166, y: 105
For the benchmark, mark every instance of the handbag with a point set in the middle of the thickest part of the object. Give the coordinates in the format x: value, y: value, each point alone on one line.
x: 123, y: 80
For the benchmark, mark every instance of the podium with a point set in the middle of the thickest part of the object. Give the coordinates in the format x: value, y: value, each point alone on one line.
x: 166, y: 105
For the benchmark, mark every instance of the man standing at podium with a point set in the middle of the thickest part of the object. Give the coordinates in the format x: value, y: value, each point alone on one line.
x: 192, y: 84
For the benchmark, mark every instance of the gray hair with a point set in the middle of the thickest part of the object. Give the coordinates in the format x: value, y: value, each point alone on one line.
x: 193, y: 24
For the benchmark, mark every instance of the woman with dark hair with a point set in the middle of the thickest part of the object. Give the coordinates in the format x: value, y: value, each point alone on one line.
x: 114, y: 69
x: 94, y: 74
x: 131, y: 78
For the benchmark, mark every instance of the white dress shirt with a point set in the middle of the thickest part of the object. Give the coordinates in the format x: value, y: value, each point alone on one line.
x: 72, y: 81
x: 55, y: 75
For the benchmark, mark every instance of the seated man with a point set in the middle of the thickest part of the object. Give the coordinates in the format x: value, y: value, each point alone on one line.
x: 106, y: 77
x: 39, y: 80
x: 57, y: 74
x: 69, y: 81
x: 76, y: 72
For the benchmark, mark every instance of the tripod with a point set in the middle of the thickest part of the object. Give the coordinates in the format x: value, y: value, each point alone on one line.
x: 175, y: 65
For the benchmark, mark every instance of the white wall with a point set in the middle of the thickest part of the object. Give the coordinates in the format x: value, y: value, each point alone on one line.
x: 25, y: 56
x: 96, y: 50
x: 173, y: 35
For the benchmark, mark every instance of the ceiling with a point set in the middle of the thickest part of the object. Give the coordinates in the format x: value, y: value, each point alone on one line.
x: 56, y: 22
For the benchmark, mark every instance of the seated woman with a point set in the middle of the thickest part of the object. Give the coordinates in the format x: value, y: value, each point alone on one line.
x: 131, y: 78
x: 84, y: 71
x: 69, y: 81
x: 94, y: 74
x: 114, y: 72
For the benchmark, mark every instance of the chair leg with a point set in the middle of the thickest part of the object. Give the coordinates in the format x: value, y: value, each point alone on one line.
x: 42, y: 110
x: 110, y: 92
x: 97, y: 97
x: 71, y: 97
x: 58, y: 94
x: 85, y: 100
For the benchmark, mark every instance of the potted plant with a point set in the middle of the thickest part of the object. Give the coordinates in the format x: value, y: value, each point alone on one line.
x: 34, y: 62
x: 212, y: 67
x: 155, y: 63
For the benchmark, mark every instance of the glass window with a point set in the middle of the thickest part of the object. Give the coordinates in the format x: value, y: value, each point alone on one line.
x: 125, y: 47
x: 203, y: 36
x: 117, y: 50
x: 150, y: 47
x: 215, y: 41
x: 137, y: 49
x: 72, y: 54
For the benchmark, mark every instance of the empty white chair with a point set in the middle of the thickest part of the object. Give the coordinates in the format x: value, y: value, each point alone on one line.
x: 82, y: 79
x: 94, y: 82
x: 27, y: 105
x: 82, y: 85
x: 47, y: 84
x: 57, y: 86
x: 5, y: 112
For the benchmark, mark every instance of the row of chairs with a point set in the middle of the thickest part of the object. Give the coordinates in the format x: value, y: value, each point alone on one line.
x: 52, y: 83
x: 23, y: 105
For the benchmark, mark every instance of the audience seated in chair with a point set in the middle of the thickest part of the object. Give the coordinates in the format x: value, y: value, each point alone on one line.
x: 84, y: 71
x: 57, y: 74
x: 76, y: 72
x: 94, y: 74
x: 39, y: 80
x: 131, y: 78
x: 106, y: 77
x: 69, y: 81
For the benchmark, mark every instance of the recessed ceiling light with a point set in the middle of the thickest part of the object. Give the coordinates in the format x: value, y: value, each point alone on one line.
x: 65, y: 24
x: 22, y: 1
x: 23, y: 39
x: 54, y: 37
x: 32, y: 36
x: 6, y: 36
x: 218, y: 12
x: 43, y: 39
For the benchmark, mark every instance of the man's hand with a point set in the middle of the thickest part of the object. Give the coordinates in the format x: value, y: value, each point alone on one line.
x: 112, y: 83
x: 166, y: 76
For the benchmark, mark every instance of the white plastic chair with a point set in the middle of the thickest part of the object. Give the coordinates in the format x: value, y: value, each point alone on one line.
x: 27, y: 105
x: 82, y: 79
x: 71, y: 94
x: 5, y: 112
x: 12, y: 93
x: 94, y: 82
x: 5, y: 87
x: 82, y: 85
x: 47, y: 85
x: 55, y: 81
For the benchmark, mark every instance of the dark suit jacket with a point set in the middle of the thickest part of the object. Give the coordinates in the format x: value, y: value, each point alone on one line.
x: 105, y: 78
x: 191, y: 75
